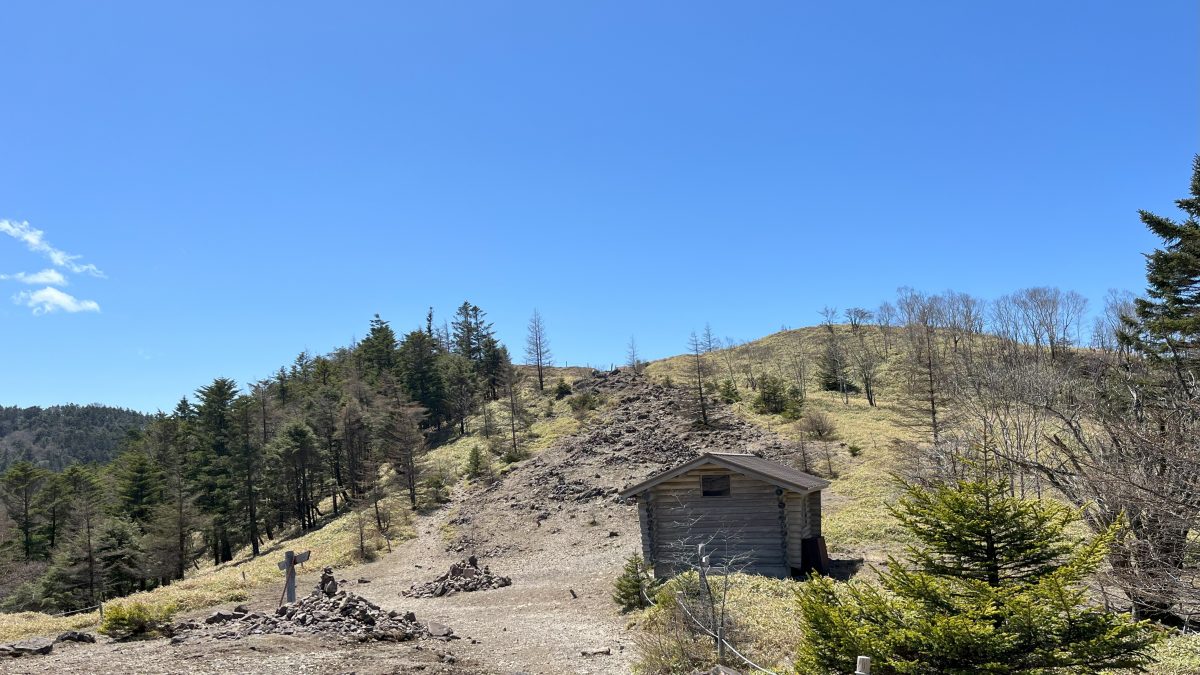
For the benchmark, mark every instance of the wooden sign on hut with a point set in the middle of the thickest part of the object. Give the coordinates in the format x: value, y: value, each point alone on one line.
x: 752, y: 514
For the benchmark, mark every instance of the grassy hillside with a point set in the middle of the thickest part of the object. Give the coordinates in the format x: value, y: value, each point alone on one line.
x: 856, y: 521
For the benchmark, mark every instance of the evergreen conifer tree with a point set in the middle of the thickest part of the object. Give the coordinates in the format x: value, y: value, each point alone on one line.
x: 1168, y: 321
x: 418, y: 358
x: 21, y: 484
x: 627, y: 590
x: 972, y: 602
x: 975, y: 530
x: 139, y: 486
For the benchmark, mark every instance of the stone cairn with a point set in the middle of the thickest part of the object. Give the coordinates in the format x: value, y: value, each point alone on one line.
x: 464, y: 576
x: 326, y: 610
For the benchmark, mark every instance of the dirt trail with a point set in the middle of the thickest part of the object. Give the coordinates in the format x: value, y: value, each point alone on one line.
x: 553, y: 524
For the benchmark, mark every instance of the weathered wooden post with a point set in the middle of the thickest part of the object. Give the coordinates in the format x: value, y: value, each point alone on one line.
x: 289, y: 570
x: 864, y: 666
x: 290, y: 560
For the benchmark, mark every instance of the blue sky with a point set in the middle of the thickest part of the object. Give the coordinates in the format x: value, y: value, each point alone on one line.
x: 247, y: 180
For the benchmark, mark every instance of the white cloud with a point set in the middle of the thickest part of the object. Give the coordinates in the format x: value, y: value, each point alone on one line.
x: 49, y: 300
x: 50, y: 277
x: 35, y: 240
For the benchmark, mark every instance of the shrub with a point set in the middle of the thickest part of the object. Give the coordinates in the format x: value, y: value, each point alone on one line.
x: 627, y: 590
x: 818, y: 425
x: 133, y: 619
x: 829, y: 381
x: 476, y: 463
x: 854, y: 450
x: 561, y: 390
x: 581, y: 403
x: 437, y: 488
x: 516, y: 454
x: 729, y: 392
x: 776, y: 398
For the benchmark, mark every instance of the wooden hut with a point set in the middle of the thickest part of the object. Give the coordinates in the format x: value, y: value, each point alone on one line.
x: 751, y: 513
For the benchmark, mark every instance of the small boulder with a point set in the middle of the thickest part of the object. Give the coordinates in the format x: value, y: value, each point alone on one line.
x: 75, y: 636
x: 33, y: 646
x: 220, y: 616
x: 438, y: 630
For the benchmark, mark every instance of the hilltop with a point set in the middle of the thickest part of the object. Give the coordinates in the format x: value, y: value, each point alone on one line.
x: 60, y: 435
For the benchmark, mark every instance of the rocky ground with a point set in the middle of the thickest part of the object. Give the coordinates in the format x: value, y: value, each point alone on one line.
x: 553, y: 525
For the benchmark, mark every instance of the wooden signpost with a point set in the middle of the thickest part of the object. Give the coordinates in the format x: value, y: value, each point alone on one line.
x: 290, y: 560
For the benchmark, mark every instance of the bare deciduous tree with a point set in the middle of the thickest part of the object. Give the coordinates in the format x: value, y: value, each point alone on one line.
x: 537, y: 348
x: 835, y: 366
x: 696, y: 347
x: 632, y: 359
x: 865, y: 357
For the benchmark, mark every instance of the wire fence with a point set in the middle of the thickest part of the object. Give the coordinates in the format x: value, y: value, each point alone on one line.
x: 81, y: 610
x: 862, y: 666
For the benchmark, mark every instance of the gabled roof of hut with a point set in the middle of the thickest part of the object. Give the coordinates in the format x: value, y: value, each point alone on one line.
x: 774, y: 473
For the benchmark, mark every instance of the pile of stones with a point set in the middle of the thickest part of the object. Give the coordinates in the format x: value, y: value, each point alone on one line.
x: 464, y: 576
x: 328, y: 611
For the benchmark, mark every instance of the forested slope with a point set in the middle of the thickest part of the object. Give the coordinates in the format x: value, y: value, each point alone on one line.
x: 60, y: 435
x: 236, y: 466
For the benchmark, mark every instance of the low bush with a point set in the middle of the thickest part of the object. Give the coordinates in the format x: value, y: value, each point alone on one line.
x: 132, y: 619
x: 581, y: 403
x: 818, y: 426
x: 729, y: 392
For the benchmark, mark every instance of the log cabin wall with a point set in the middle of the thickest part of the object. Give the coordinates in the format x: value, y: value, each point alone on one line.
x: 746, y: 528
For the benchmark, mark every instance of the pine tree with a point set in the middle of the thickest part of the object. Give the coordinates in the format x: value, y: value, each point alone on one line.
x: 494, y: 365
x: 628, y: 590
x: 169, y: 533
x: 1167, y: 324
x: 377, y: 351
x: 53, y: 509
x: 772, y: 395
x: 74, y: 578
x: 973, y: 602
x: 120, y: 558
x: 461, y: 387
x: 21, y: 485
x: 476, y: 463
x: 246, y: 463
x: 211, y: 467
x: 295, y: 461
x: 975, y: 530
x: 470, y: 331
x: 139, y: 486
x: 418, y: 359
